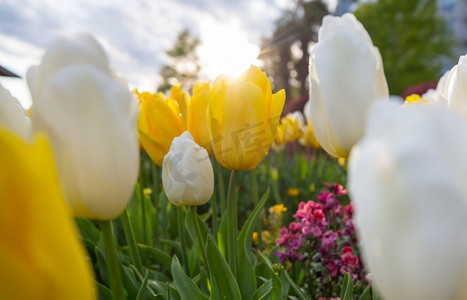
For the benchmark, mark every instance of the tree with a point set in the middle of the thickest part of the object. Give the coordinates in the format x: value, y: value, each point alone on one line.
x: 285, y: 55
x: 183, y: 66
x: 413, y: 40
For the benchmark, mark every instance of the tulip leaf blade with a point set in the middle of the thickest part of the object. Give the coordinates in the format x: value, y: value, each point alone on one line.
x: 347, y: 287
x: 263, y: 291
x: 300, y: 294
x: 277, y: 288
x: 185, y: 286
x: 365, y: 294
x: 247, y: 280
x: 223, y: 283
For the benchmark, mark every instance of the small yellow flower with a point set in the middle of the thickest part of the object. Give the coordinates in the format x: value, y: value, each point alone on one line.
x: 292, y: 192
x: 415, y: 99
x: 278, y: 209
x: 147, y: 192
x: 255, y: 237
x: 40, y: 251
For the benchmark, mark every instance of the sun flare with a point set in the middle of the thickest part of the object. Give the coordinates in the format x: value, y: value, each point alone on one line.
x: 225, y: 49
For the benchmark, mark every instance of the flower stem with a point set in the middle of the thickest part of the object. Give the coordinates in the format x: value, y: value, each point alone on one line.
x: 131, y: 240
x: 113, y: 263
x: 201, y: 241
x: 182, y: 236
x: 220, y: 181
x: 155, y: 195
x: 215, y: 226
x: 232, y: 224
x: 259, y: 229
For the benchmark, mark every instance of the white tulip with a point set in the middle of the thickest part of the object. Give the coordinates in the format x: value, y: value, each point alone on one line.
x: 346, y: 76
x: 13, y: 118
x: 90, y: 117
x: 187, y: 174
x: 407, y: 182
x: 455, y: 89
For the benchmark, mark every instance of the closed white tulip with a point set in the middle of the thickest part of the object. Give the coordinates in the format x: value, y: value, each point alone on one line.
x: 12, y: 115
x: 455, y: 87
x: 407, y: 182
x: 346, y: 76
x: 187, y: 174
x: 90, y: 116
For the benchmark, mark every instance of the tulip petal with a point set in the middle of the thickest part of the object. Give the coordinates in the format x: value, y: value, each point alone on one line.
x: 40, y: 243
x: 83, y: 147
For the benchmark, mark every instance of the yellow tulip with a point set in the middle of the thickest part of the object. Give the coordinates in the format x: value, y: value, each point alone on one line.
x: 197, y: 124
x: 290, y: 129
x: 40, y: 252
x: 242, y: 115
x: 159, y: 122
x: 309, y: 138
x: 183, y: 100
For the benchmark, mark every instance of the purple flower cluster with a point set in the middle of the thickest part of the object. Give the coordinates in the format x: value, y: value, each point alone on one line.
x: 323, y: 236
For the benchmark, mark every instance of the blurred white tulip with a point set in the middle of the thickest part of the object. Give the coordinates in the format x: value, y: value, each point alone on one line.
x: 90, y: 116
x: 407, y: 182
x: 13, y: 117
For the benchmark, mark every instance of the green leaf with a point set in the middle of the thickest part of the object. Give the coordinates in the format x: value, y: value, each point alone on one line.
x: 347, y: 287
x: 156, y: 255
x: 300, y: 294
x: 142, y: 288
x: 185, y: 286
x: 224, y: 285
x: 103, y: 292
x: 374, y: 293
x: 222, y: 235
x: 365, y: 294
x: 247, y: 280
x: 89, y: 232
x: 276, y: 281
x: 263, y: 291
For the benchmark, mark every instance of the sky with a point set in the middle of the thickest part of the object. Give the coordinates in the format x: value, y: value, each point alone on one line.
x: 136, y: 33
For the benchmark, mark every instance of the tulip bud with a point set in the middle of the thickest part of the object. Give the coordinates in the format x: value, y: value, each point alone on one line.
x: 90, y: 117
x: 12, y: 115
x: 241, y: 115
x: 187, y: 174
x: 407, y: 182
x: 346, y: 77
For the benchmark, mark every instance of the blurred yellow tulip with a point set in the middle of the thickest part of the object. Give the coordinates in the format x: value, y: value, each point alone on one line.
x: 197, y: 124
x: 40, y: 252
x: 159, y: 122
x: 309, y: 138
x: 290, y: 129
x: 242, y: 115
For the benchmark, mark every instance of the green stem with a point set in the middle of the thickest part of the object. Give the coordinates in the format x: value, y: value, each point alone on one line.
x: 155, y: 195
x: 143, y: 218
x: 220, y: 181
x: 232, y: 224
x: 113, y: 263
x: 131, y: 240
x: 214, y: 216
x: 201, y: 241
x: 254, y: 177
x: 182, y: 236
